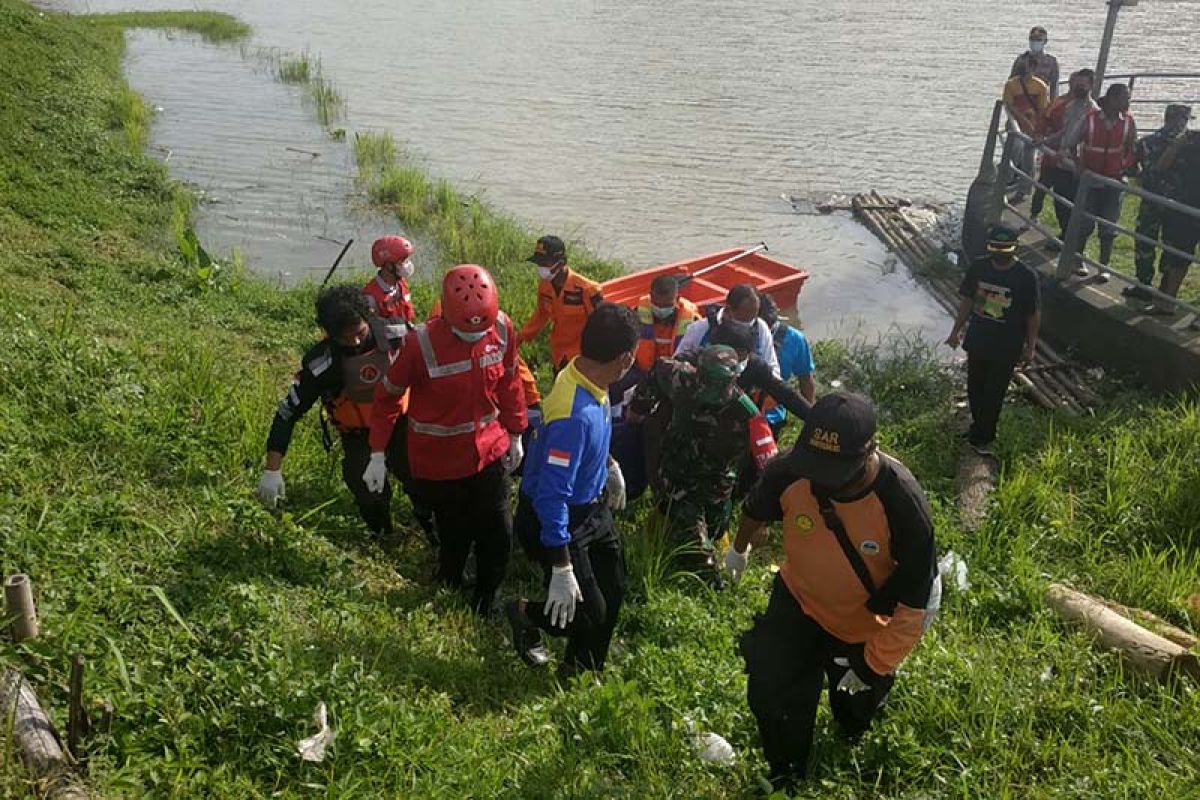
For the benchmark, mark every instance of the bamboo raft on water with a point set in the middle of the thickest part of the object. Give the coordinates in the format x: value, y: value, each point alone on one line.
x: 1052, y: 381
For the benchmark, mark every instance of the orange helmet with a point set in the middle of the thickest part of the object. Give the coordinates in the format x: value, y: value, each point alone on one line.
x: 469, y: 299
x: 391, y: 250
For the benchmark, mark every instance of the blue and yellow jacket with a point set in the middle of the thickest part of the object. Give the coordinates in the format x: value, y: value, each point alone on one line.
x: 567, y: 462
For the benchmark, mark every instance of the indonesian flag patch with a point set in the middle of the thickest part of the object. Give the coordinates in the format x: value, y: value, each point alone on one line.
x: 559, y: 458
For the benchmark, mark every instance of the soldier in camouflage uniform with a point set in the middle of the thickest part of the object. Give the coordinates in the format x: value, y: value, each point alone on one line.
x: 709, y: 430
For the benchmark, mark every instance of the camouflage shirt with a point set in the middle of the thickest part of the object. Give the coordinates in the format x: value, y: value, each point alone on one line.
x: 703, y: 444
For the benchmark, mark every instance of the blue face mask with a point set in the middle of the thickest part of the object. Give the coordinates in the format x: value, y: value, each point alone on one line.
x: 661, y: 312
x: 468, y: 336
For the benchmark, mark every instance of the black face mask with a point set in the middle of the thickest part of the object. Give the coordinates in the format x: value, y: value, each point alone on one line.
x: 834, y: 491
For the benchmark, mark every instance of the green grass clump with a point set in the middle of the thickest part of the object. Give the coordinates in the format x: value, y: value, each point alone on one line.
x: 213, y: 26
x: 134, y: 400
x: 294, y: 69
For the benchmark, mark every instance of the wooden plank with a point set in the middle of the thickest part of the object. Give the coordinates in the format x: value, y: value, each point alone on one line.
x: 36, y: 740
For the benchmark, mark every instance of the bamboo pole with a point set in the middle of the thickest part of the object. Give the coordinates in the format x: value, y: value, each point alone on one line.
x: 1142, y: 649
x: 19, y: 607
x: 1154, y: 623
x: 35, y: 739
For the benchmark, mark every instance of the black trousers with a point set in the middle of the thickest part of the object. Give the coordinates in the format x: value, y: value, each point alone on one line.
x: 471, y: 512
x: 789, y: 656
x: 1181, y: 232
x: 599, y: 564
x: 374, y: 507
x: 1064, y: 183
x: 987, y: 383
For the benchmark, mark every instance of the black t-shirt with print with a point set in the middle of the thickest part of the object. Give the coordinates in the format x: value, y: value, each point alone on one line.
x: 1004, y: 300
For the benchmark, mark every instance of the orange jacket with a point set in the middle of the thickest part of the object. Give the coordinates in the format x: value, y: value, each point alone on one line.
x: 658, y: 338
x: 566, y: 311
x: 465, y: 399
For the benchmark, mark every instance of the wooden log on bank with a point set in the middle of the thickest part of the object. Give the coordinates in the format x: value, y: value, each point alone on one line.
x: 36, y: 740
x: 1141, y: 649
x: 19, y: 607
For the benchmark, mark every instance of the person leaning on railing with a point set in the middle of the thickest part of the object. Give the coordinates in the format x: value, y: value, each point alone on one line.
x: 1181, y: 163
x: 1105, y: 143
x: 1026, y: 98
x: 1149, y: 152
x: 1065, y: 115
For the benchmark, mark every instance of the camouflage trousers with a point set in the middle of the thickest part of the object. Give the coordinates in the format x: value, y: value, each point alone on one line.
x: 693, y: 524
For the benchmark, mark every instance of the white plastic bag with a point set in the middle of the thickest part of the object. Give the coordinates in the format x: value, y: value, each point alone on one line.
x: 313, y: 748
x: 954, y: 571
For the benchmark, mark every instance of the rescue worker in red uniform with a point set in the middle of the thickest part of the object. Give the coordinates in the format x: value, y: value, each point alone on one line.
x: 1107, y: 142
x: 465, y: 419
x: 341, y: 371
x: 565, y: 299
x: 387, y: 293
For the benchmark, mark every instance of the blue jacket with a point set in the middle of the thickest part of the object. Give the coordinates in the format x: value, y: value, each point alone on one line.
x: 567, y: 462
x: 795, y: 361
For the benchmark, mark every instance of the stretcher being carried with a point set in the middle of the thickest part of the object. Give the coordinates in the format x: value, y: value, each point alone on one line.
x: 706, y: 279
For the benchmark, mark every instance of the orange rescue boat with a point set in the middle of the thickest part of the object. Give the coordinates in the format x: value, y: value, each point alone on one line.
x: 707, y: 279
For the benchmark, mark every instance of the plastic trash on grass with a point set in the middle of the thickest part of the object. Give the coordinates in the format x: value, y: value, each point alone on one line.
x: 954, y: 570
x: 313, y: 748
x: 711, y: 747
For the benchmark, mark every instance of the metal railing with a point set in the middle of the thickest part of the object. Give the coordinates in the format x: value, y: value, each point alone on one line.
x: 1071, y: 255
x: 1131, y: 78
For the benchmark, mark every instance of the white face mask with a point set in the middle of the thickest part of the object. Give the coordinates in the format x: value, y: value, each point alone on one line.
x: 661, y: 312
x: 741, y: 367
x: 406, y: 269
x: 743, y: 326
x: 1037, y: 47
x: 468, y: 336
x: 545, y: 273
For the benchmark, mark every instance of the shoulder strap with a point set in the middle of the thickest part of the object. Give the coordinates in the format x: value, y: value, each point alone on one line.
x: 834, y: 523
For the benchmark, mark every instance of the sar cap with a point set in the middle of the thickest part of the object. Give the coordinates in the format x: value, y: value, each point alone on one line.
x: 836, y: 439
x: 548, y: 250
x: 1002, y: 239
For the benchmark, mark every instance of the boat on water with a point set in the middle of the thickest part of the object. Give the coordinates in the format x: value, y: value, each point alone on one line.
x: 707, y: 279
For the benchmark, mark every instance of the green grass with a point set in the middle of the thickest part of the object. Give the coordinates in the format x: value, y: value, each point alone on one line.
x: 213, y: 26
x: 134, y: 400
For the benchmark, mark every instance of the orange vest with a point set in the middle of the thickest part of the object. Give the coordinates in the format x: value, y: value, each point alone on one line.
x: 820, y: 577
x: 566, y: 310
x: 1104, y: 149
x: 659, y: 338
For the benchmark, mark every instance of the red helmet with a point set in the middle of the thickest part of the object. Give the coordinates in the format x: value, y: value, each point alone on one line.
x: 391, y: 250
x: 469, y: 300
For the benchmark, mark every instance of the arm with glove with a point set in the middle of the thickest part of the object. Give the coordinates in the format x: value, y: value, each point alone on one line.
x: 563, y: 454
x: 316, y: 377
x: 389, y: 399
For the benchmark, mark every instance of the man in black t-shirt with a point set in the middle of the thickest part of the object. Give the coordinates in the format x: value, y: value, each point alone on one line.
x: 1001, y: 312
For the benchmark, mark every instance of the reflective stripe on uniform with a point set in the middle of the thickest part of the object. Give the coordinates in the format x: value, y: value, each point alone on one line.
x: 431, y: 429
x: 391, y: 387
x: 437, y: 370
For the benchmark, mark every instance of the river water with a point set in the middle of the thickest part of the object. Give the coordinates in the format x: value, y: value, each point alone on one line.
x: 652, y: 131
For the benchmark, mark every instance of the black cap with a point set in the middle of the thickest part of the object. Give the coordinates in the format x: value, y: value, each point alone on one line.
x: 549, y: 250
x: 1178, y: 110
x: 836, y: 439
x: 1002, y: 239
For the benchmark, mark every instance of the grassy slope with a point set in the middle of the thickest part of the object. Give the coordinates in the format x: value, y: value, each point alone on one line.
x: 133, y: 403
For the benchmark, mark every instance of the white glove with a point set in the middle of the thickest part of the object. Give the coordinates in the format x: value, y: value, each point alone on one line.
x: 564, y: 594
x: 736, y: 562
x: 270, y: 488
x: 851, y: 683
x: 516, y: 451
x: 375, y: 475
x: 615, y: 484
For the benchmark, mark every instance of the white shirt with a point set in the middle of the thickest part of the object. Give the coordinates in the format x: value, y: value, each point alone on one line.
x: 764, y: 347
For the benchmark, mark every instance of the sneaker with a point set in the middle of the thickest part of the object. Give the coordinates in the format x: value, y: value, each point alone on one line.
x: 1053, y: 245
x: 1103, y: 277
x: 984, y: 450
x: 1136, y: 292
x: 526, y: 638
x: 1081, y: 271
